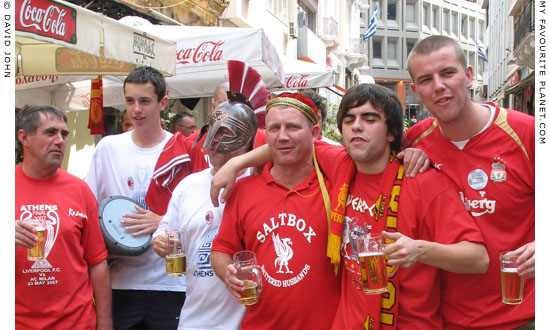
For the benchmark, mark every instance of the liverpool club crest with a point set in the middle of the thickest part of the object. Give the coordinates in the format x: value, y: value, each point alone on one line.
x: 498, y: 170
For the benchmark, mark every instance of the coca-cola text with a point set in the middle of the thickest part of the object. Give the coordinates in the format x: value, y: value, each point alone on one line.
x: 297, y: 81
x: 207, y: 51
x: 46, y: 18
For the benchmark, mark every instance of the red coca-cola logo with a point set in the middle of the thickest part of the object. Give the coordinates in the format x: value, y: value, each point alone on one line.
x: 46, y: 18
x: 208, y: 51
x: 297, y: 81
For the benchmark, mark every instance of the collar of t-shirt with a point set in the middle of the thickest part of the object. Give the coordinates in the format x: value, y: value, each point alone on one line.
x: 461, y: 144
x: 305, y: 184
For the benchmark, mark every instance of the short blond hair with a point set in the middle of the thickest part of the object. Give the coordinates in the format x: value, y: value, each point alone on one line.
x: 431, y: 44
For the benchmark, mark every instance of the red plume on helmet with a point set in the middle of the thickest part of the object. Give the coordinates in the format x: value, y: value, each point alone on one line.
x: 246, y: 86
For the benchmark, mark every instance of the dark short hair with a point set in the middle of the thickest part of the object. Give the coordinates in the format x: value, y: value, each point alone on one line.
x: 179, y: 116
x: 382, y: 98
x: 28, y: 118
x: 320, y: 103
x: 432, y: 44
x: 147, y: 74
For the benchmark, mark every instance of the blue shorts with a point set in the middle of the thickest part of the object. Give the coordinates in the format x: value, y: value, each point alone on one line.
x: 146, y: 310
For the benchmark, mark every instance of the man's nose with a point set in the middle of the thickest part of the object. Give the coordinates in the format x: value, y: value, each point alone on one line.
x: 59, y: 138
x: 283, y: 134
x: 438, y: 83
x: 356, y: 125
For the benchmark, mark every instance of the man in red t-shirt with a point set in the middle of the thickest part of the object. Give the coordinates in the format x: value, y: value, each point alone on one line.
x: 425, y: 226
x: 489, y: 153
x: 280, y: 215
x: 58, y: 291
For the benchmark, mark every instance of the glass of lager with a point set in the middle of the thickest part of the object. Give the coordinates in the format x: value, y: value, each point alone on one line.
x: 37, y: 252
x: 247, y: 271
x: 512, y: 283
x: 374, y: 276
x: 176, y: 261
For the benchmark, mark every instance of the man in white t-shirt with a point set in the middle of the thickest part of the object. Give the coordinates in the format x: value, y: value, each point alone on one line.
x: 144, y: 297
x: 231, y: 131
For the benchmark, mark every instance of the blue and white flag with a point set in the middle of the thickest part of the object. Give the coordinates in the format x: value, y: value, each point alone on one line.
x: 372, y: 25
x: 481, y: 54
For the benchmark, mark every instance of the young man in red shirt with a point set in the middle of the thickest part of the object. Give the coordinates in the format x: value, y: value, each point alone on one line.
x: 425, y: 226
x: 489, y: 153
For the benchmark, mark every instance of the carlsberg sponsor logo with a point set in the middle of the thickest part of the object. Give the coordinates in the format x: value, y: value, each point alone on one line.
x: 478, y: 207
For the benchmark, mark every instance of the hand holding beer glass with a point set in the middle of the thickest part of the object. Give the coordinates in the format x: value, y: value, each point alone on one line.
x: 374, y: 276
x: 512, y: 283
x: 176, y: 261
x: 247, y: 271
x: 37, y: 252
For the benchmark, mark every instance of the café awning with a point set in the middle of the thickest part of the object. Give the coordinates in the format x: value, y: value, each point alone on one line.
x: 202, y: 53
x: 58, y: 38
x: 302, y: 75
x: 201, y: 65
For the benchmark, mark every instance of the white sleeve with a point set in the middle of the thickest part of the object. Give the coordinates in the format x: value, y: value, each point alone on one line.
x: 91, y: 177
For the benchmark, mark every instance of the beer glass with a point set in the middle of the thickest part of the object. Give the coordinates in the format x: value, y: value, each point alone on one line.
x: 247, y: 271
x: 374, y: 276
x: 512, y: 283
x: 37, y: 252
x: 176, y: 261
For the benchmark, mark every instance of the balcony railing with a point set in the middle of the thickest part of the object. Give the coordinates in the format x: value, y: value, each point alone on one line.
x: 358, y: 46
x: 524, y: 24
x: 330, y: 27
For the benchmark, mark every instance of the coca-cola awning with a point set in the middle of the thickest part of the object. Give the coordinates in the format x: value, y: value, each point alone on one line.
x: 202, y: 54
x: 59, y: 38
x: 301, y: 75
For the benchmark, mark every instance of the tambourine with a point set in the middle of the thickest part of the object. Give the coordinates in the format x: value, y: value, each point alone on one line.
x: 117, y: 239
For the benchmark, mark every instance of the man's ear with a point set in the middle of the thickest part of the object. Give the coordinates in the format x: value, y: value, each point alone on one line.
x: 470, y: 76
x: 23, y: 137
x: 163, y: 102
x: 315, y: 132
x: 391, y: 137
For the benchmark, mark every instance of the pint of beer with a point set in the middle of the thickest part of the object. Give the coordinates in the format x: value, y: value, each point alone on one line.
x: 250, y: 294
x: 247, y: 271
x: 176, y: 261
x: 373, y: 272
x: 512, y: 283
x: 176, y: 264
x: 37, y: 252
x: 372, y: 262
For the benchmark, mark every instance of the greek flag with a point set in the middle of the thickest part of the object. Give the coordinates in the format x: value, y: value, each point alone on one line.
x: 372, y: 25
x: 481, y: 54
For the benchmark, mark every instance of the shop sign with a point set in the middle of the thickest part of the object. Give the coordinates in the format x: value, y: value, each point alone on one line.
x: 70, y: 60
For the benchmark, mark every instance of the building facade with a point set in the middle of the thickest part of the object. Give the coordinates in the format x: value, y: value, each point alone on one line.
x: 510, y: 40
x: 401, y: 23
x: 325, y: 32
x: 522, y: 79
